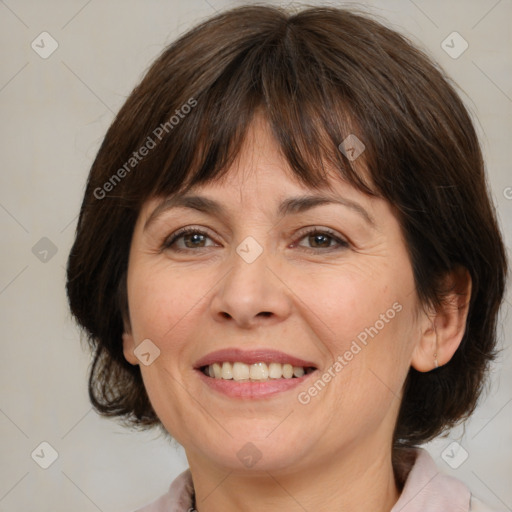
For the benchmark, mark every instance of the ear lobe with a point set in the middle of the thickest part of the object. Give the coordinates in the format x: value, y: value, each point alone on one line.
x: 425, y: 352
x: 128, y: 349
x: 446, y: 326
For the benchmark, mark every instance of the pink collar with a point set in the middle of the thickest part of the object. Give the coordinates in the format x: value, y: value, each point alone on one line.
x: 425, y: 490
x: 428, y: 490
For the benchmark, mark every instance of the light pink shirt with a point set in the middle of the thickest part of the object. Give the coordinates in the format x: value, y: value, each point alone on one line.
x: 425, y: 490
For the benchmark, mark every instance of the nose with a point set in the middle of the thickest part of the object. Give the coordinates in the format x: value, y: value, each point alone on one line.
x: 251, y: 293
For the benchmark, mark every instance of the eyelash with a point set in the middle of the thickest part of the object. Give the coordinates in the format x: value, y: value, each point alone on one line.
x: 342, y: 244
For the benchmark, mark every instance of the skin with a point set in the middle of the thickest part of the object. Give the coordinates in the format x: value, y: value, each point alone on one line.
x: 305, y: 296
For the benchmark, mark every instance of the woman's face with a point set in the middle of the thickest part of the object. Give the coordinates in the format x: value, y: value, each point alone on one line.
x: 270, y: 279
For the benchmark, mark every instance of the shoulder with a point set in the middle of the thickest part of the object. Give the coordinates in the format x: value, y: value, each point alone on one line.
x: 427, y: 489
x: 178, y: 498
x: 477, y: 506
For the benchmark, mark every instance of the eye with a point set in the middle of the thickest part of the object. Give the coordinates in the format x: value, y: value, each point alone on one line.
x: 187, y: 238
x: 322, y: 239
x: 191, y: 238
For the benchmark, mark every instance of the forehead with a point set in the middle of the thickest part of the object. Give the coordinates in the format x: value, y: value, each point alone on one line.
x: 261, y: 176
x: 266, y: 186
x: 260, y: 161
x: 259, y: 184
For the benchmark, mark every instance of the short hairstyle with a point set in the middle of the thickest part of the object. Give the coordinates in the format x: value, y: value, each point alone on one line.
x: 318, y: 75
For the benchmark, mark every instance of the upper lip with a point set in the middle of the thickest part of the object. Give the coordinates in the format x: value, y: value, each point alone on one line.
x: 251, y: 357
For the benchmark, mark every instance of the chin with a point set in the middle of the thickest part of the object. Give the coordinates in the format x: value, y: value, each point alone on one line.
x: 252, y: 452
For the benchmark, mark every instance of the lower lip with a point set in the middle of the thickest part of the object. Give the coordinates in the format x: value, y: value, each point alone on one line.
x: 251, y: 389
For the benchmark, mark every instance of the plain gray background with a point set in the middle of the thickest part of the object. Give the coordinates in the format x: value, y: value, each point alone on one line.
x: 55, y: 111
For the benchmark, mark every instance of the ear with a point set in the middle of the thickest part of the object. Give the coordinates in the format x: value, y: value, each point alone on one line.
x: 128, y: 348
x: 443, y: 329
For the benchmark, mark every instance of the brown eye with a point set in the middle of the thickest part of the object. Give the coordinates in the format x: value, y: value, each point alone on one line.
x: 189, y: 238
x: 322, y: 239
x: 194, y: 240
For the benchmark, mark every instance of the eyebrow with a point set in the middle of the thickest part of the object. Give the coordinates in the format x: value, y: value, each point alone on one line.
x: 292, y: 205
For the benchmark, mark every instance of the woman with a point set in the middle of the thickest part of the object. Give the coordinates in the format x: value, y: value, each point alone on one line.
x: 287, y: 259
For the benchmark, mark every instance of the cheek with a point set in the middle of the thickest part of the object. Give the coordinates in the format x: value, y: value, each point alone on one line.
x: 365, y: 320
x: 370, y: 348
x: 346, y: 302
x: 162, y: 301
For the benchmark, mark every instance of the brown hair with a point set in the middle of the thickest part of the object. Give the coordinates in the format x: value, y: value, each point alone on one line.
x: 318, y: 75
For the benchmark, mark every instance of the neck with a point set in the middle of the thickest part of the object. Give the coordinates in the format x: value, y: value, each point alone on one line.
x: 349, y: 481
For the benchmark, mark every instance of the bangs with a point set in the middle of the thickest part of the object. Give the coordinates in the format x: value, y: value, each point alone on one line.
x: 309, y: 120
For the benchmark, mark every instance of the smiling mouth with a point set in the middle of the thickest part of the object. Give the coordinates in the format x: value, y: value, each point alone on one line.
x: 256, y: 372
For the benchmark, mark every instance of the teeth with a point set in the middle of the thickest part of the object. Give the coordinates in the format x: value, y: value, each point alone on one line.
x: 298, y: 371
x: 259, y: 371
x: 256, y: 372
x: 240, y: 371
x: 287, y: 371
x: 227, y: 371
x: 275, y: 370
x: 217, y: 370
